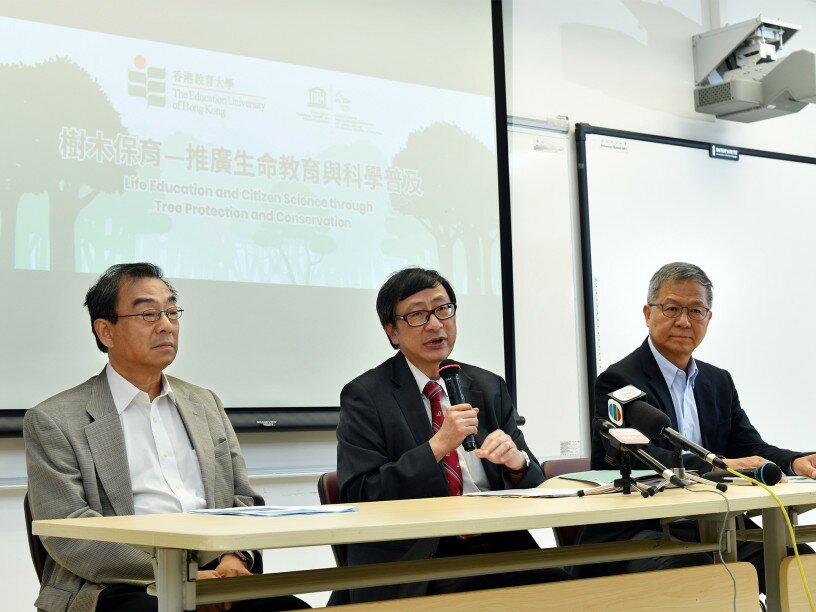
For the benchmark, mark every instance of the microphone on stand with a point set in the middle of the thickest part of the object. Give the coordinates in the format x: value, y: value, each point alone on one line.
x: 632, y: 440
x: 618, y: 400
x: 656, y: 424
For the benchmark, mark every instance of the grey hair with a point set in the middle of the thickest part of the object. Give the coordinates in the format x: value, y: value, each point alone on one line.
x: 677, y: 271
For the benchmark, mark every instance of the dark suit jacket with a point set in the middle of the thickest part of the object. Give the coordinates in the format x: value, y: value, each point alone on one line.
x: 383, y: 454
x: 725, y: 428
x: 77, y: 467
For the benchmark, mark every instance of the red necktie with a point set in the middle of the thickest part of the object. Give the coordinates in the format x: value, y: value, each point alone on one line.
x: 450, y: 462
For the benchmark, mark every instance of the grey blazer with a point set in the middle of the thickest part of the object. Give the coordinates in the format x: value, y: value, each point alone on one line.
x: 77, y: 467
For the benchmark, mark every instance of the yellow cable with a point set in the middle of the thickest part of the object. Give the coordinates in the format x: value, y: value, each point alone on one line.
x: 790, y: 531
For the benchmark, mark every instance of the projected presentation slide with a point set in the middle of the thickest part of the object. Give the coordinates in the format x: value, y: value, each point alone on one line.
x: 276, y: 166
x: 220, y: 167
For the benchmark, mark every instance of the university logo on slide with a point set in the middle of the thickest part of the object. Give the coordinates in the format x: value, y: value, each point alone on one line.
x: 615, y: 411
x: 147, y: 82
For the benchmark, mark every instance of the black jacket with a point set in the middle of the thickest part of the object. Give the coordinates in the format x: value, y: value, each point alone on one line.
x: 725, y: 428
x: 383, y: 454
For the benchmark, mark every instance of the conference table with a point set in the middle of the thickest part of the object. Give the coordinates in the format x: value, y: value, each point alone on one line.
x: 176, y: 540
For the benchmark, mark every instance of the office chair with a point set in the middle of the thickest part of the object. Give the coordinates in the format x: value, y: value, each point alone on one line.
x: 565, y: 536
x: 329, y: 493
x: 35, y: 545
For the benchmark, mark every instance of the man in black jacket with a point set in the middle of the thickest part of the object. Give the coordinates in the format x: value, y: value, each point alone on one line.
x: 388, y: 446
x: 701, y: 401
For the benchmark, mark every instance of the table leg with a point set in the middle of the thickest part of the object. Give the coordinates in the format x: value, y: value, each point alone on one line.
x: 710, y: 533
x: 773, y: 530
x: 172, y: 586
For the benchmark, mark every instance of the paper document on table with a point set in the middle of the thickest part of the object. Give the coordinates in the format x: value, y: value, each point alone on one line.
x: 736, y: 480
x: 276, y: 510
x: 539, y: 492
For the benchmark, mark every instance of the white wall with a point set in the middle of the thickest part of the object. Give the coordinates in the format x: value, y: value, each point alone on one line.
x: 622, y: 64
x: 627, y: 64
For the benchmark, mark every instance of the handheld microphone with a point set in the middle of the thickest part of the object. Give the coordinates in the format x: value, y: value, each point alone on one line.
x: 768, y: 474
x: 632, y: 439
x: 449, y: 371
x: 656, y: 424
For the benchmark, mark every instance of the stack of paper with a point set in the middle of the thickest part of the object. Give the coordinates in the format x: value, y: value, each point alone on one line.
x: 277, y: 510
x: 538, y: 492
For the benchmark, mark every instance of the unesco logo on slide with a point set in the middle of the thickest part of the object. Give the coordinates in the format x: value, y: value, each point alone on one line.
x: 147, y: 82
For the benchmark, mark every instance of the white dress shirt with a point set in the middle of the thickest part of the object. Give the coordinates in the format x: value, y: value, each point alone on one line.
x: 474, y: 478
x: 163, y: 465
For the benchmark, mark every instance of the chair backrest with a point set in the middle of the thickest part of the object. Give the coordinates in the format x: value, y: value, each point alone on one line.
x: 687, y: 588
x: 791, y: 589
x: 565, y: 536
x: 35, y: 545
x: 329, y: 493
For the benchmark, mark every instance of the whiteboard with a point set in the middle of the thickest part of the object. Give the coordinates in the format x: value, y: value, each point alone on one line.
x: 546, y: 293
x: 749, y: 225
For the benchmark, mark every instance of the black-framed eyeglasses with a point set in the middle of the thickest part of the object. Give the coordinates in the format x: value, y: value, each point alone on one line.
x: 418, y: 318
x: 695, y: 313
x: 151, y: 316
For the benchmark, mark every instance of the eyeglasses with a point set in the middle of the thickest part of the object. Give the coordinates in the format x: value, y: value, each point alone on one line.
x: 419, y: 318
x: 695, y: 313
x: 151, y: 316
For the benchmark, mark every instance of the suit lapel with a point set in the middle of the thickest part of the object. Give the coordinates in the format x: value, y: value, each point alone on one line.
x: 708, y: 425
x: 475, y: 398
x: 107, y: 445
x: 657, y: 384
x: 409, y: 400
x: 196, y: 424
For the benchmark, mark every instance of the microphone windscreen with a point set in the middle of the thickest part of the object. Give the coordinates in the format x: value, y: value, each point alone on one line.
x: 769, y: 473
x: 646, y: 418
x: 448, y: 368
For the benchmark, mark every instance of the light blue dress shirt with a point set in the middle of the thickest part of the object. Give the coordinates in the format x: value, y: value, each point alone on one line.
x: 681, y: 388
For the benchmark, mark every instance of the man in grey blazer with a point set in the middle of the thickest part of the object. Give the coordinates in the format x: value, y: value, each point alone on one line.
x: 131, y: 440
x: 389, y: 447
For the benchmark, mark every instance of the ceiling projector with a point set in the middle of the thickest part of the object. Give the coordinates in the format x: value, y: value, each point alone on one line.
x: 740, y: 76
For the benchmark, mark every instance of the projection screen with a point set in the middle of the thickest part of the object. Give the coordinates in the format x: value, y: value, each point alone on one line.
x: 277, y: 159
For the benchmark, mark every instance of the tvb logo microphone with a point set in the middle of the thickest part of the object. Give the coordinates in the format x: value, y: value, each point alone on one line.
x: 618, y: 399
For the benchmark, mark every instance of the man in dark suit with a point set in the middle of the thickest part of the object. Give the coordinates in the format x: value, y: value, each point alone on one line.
x: 389, y: 447
x: 132, y: 440
x: 701, y: 401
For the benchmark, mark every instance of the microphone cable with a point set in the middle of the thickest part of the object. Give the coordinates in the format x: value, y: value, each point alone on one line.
x: 790, y: 531
x: 787, y: 521
x: 720, y: 540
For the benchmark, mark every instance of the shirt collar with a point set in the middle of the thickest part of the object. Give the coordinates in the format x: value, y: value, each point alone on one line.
x: 422, y: 379
x: 124, y: 392
x: 671, y: 371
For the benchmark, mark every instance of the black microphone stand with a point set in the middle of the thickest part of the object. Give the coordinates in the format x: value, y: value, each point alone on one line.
x: 688, y: 478
x: 619, y: 456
